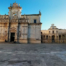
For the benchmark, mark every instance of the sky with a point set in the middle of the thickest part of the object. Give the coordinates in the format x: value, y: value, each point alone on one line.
x: 52, y: 11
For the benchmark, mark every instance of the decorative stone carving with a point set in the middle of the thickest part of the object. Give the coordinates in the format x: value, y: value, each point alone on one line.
x: 13, y: 29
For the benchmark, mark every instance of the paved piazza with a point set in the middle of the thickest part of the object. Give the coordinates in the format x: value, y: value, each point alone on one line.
x: 32, y: 54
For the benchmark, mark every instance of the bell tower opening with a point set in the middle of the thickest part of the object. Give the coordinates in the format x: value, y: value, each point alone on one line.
x: 15, y: 10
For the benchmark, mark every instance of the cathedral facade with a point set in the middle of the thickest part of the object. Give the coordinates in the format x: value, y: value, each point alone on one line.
x: 53, y: 35
x: 15, y: 27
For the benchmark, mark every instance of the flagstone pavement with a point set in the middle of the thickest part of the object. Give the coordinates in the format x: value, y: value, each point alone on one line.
x: 32, y: 54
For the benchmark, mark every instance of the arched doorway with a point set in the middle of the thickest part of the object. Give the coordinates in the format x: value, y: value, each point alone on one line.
x: 12, y: 37
x: 53, y: 38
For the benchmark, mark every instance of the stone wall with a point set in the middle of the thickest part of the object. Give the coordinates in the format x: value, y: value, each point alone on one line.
x: 31, y: 18
x: 59, y: 37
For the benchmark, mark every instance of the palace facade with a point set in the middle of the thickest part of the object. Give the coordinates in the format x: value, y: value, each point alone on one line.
x: 53, y: 35
x: 15, y: 27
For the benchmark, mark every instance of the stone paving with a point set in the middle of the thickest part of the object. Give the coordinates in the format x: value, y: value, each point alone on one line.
x: 32, y: 54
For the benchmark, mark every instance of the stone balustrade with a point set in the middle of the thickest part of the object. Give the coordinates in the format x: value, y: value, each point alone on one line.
x: 13, y: 21
x: 4, y: 20
x: 20, y: 21
x: 23, y: 21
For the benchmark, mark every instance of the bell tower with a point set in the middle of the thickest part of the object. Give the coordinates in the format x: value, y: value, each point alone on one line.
x: 14, y: 11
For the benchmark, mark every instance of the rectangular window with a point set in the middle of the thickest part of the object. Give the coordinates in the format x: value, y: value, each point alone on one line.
x: 34, y: 20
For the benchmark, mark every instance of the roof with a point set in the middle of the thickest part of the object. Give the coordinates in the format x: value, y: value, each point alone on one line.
x: 25, y: 15
x: 31, y: 15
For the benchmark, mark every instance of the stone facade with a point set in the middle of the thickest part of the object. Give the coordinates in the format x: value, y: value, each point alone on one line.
x: 20, y: 28
x: 53, y: 35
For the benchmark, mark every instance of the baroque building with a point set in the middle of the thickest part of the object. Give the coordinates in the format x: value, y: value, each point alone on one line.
x: 53, y: 35
x: 15, y: 27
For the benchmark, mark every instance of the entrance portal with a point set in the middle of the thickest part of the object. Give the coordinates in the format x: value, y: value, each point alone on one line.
x: 12, y: 37
x: 53, y: 38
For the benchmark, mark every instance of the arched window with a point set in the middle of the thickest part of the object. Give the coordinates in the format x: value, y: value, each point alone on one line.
x: 49, y: 31
x: 53, y: 32
x: 44, y: 36
x: 47, y: 37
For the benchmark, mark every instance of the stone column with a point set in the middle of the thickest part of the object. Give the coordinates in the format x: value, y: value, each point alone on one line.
x: 61, y: 38
x: 18, y: 33
x: 9, y: 36
x: 58, y: 38
x: 55, y: 38
x: 9, y: 32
